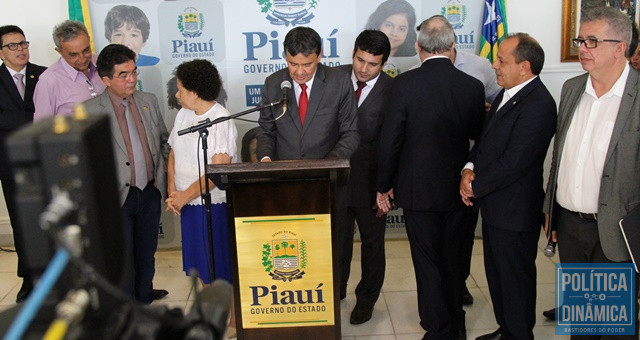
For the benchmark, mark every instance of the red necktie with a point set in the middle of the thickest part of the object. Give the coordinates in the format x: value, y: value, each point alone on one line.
x: 361, y: 85
x: 303, y: 102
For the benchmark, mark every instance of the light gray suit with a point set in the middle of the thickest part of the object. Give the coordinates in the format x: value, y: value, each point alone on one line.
x: 155, y: 129
x: 620, y: 182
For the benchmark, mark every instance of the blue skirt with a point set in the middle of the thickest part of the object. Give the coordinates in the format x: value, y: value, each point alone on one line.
x: 195, y: 241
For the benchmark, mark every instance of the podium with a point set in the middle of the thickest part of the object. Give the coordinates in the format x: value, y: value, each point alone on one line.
x: 284, y: 248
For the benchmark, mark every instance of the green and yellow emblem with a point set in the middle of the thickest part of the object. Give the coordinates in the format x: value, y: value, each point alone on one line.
x: 285, y: 259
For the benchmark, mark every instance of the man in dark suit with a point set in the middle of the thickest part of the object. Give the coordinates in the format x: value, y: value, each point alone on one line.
x: 372, y: 87
x: 423, y: 146
x: 18, y: 78
x: 320, y: 117
x: 594, y: 176
x: 504, y: 177
x: 140, y: 148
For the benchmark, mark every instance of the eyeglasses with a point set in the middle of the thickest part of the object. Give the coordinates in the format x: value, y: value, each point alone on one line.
x: 93, y: 91
x: 126, y: 75
x: 14, y: 46
x: 590, y: 42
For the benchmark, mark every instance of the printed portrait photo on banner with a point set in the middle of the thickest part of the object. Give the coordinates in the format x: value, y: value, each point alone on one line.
x: 129, y: 26
x: 396, y: 19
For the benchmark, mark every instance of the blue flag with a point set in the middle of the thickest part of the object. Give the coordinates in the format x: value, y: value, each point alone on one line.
x: 494, y: 28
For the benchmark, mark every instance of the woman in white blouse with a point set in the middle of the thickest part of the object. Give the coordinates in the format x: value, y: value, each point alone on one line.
x: 198, y: 87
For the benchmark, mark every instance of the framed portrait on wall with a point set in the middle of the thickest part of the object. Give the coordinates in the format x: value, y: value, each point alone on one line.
x: 571, y: 19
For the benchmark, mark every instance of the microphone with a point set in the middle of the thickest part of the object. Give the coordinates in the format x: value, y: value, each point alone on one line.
x: 550, y: 249
x: 285, y: 86
x: 211, y: 311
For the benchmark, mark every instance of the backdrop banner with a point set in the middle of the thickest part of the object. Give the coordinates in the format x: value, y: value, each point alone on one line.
x: 244, y: 39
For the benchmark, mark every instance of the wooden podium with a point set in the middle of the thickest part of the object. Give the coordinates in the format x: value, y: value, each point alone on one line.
x: 284, y: 249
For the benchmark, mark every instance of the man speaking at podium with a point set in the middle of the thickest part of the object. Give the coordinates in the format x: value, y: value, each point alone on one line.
x: 318, y: 118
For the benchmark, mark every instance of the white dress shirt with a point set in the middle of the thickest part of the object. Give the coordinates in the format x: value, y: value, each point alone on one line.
x: 365, y: 90
x: 585, y: 147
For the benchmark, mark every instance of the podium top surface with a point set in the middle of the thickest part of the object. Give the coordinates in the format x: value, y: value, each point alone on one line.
x: 277, y: 170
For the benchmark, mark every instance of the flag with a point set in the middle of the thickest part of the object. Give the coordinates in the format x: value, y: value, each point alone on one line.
x: 494, y: 28
x: 79, y: 11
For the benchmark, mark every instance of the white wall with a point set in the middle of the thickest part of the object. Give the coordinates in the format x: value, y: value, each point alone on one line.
x: 541, y: 19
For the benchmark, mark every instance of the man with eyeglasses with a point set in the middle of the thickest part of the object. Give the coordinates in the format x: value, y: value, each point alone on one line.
x: 594, y: 176
x: 18, y: 78
x: 141, y: 150
x: 73, y: 78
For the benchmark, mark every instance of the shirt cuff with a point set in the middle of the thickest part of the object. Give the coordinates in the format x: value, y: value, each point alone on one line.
x: 469, y: 166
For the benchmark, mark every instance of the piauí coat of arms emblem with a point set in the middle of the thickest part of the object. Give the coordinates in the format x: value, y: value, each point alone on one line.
x: 285, y: 259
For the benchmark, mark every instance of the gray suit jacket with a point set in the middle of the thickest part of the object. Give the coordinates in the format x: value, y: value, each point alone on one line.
x: 620, y: 182
x: 330, y: 129
x: 157, y: 136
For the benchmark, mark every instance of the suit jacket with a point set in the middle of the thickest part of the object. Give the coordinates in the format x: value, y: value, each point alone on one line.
x: 433, y: 112
x: 155, y: 129
x: 509, y: 157
x: 620, y: 181
x: 330, y: 128
x: 362, y: 180
x: 14, y: 111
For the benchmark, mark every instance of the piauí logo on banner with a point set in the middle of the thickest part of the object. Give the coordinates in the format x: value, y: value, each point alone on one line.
x: 190, y: 23
x: 285, y: 259
x: 288, y: 12
x: 456, y: 13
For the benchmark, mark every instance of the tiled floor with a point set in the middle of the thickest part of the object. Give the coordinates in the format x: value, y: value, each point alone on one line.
x: 395, y: 315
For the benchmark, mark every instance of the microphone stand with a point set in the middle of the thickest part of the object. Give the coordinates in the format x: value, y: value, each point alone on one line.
x: 201, y: 128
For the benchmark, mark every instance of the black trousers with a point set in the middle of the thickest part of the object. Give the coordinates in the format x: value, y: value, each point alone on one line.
x: 9, y: 192
x: 579, y: 242
x: 510, y: 265
x: 469, y: 236
x: 141, y: 217
x: 436, y: 240
x: 373, y: 261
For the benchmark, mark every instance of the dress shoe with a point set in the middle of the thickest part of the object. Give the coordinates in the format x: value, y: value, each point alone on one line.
x: 361, y: 314
x: 492, y: 336
x: 467, y: 298
x: 25, y: 290
x: 159, y: 293
x: 550, y: 314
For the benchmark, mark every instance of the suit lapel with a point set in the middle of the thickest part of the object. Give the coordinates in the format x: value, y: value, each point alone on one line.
x: 31, y: 82
x: 292, y: 107
x: 317, y: 91
x: 144, y: 108
x: 492, y: 112
x: 107, y: 107
x: 512, y: 102
x: 565, y: 116
x: 628, y: 97
x: 375, y: 93
x: 10, y: 85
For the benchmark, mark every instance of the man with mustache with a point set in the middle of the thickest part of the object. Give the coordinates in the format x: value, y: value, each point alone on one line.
x: 73, y: 78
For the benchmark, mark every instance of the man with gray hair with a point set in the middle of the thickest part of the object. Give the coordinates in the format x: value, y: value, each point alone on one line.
x: 594, y: 177
x: 73, y: 78
x: 423, y: 145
